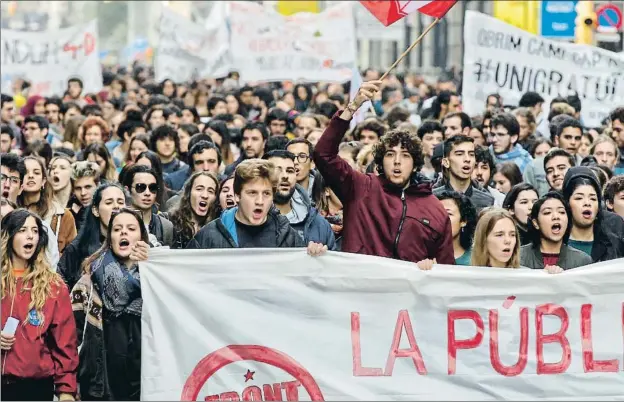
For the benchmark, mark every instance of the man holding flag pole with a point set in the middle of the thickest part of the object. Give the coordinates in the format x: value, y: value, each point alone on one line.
x: 394, y: 213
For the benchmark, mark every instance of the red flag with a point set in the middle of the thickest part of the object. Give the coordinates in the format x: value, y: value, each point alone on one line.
x: 390, y: 11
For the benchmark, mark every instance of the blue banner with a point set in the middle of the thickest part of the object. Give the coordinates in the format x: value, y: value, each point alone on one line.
x: 558, y: 19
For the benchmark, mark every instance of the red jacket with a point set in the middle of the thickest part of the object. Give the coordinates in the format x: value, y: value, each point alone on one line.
x: 379, y: 218
x: 48, y: 350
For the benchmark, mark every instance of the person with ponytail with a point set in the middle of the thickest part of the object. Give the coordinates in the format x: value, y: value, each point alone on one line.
x: 39, y: 352
x: 107, y: 307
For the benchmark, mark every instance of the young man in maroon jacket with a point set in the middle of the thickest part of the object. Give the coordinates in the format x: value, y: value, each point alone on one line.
x: 393, y: 214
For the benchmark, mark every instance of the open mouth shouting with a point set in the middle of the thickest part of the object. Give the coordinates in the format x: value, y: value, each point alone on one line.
x: 587, y: 214
x: 506, y: 251
x: 29, y: 249
x: 257, y: 214
x: 202, y: 208
x: 396, y: 173
x: 556, y: 229
x: 124, y: 244
x: 230, y: 203
x: 5, y: 194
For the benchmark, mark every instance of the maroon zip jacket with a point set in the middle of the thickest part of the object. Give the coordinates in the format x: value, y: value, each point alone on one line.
x: 44, y: 348
x: 380, y: 218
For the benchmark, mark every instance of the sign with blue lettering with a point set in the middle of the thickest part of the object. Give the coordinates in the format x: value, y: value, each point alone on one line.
x: 558, y: 19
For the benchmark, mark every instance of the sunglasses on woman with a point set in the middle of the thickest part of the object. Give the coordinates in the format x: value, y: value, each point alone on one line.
x: 141, y: 187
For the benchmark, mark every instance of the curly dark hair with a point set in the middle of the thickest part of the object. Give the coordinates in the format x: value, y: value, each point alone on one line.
x: 182, y: 214
x: 468, y: 214
x: 402, y: 137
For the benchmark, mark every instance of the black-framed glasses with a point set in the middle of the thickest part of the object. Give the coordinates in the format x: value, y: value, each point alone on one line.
x: 302, y: 157
x: 12, y: 179
x: 141, y: 187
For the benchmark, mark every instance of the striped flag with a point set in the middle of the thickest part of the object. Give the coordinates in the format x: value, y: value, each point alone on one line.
x: 389, y: 12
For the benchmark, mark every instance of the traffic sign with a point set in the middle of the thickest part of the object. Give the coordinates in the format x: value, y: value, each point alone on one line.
x: 558, y: 19
x: 609, y: 18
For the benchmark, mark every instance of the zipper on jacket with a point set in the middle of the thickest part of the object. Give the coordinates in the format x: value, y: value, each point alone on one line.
x: 398, y: 236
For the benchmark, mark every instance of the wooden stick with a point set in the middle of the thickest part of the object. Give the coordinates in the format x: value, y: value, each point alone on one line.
x: 409, y: 49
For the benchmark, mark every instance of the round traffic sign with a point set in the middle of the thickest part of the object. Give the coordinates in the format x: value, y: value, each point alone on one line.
x: 609, y: 15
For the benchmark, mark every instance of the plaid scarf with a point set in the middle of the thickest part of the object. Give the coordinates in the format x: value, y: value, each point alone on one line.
x: 119, y: 287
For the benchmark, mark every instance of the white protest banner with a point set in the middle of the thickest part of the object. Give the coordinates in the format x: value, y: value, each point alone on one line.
x: 267, y: 46
x: 187, y: 50
x: 277, y: 324
x: 500, y: 58
x: 48, y: 59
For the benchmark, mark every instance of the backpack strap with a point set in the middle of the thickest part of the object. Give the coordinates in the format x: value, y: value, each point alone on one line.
x: 167, y: 230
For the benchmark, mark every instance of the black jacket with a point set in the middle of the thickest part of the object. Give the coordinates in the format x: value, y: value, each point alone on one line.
x: 70, y: 264
x: 608, y: 233
x: 480, y: 198
x: 217, y: 235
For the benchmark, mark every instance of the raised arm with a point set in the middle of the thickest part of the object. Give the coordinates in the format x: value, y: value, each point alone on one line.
x: 340, y: 176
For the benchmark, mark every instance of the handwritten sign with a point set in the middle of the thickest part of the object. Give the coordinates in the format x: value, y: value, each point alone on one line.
x: 187, y: 50
x: 500, y: 58
x: 274, y: 324
x: 48, y: 59
x: 267, y: 46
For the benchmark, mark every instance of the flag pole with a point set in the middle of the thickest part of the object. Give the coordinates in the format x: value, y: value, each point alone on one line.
x: 409, y: 49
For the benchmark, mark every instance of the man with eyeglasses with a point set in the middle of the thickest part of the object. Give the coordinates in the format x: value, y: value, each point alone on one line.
x: 145, y: 189
x: 503, y: 139
x: 303, y: 217
x: 303, y: 151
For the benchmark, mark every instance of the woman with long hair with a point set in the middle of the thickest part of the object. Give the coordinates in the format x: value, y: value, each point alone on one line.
x: 99, y: 154
x: 37, y: 196
x: 220, y: 135
x: 549, y: 228
x: 40, y: 356
x: 519, y: 202
x: 73, y: 132
x: 197, y: 206
x: 60, y: 172
x: 463, y: 216
x: 138, y: 144
x: 330, y: 207
x: 496, y: 237
x: 107, y: 198
x: 108, y: 305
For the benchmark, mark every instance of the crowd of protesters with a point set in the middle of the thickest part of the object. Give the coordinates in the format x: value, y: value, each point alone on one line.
x: 91, y: 181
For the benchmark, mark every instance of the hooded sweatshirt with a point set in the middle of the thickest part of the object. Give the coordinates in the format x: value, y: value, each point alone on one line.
x: 307, y: 221
x: 608, y: 243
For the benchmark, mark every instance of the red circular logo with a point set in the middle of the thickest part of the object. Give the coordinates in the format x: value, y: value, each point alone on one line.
x: 218, y: 359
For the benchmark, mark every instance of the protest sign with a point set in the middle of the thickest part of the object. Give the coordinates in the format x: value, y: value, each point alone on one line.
x: 500, y: 58
x: 276, y: 324
x: 187, y: 50
x: 48, y: 59
x: 267, y: 46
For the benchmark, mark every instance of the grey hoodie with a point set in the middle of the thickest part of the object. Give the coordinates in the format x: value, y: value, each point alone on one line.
x: 307, y: 221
